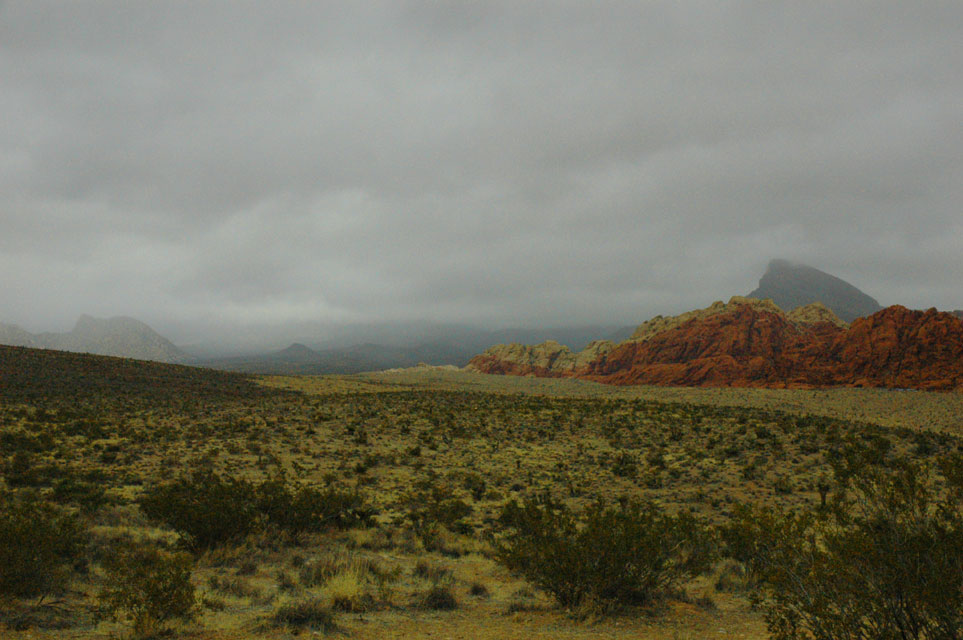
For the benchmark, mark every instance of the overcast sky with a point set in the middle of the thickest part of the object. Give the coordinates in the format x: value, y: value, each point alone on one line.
x: 513, y: 163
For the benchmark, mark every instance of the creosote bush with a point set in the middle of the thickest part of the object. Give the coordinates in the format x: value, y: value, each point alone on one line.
x: 884, y: 562
x: 309, y: 509
x: 611, y: 556
x: 209, y: 510
x: 206, y: 509
x: 149, y: 587
x: 431, y: 507
x: 38, y: 542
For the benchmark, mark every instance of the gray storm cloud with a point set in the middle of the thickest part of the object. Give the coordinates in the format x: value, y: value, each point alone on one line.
x: 496, y: 163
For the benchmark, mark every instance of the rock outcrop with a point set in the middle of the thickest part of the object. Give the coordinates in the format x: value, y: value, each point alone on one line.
x: 548, y: 359
x: 815, y: 313
x: 900, y: 347
x: 754, y: 343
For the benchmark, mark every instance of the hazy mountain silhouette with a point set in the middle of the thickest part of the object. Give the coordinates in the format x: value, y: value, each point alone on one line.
x: 119, y: 336
x: 792, y: 285
x: 357, y: 348
x: 300, y: 359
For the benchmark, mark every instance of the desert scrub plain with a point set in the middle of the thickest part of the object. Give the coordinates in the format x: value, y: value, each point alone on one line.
x: 143, y: 500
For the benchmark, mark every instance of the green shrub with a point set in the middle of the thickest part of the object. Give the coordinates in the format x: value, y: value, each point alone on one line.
x: 204, y: 508
x: 38, y: 542
x: 886, y: 563
x: 308, y: 509
x: 26, y: 469
x: 629, y: 554
x: 87, y: 495
x: 149, y: 587
x: 208, y: 510
x: 626, y: 465
x: 438, y: 597
x: 475, y: 484
x: 431, y: 507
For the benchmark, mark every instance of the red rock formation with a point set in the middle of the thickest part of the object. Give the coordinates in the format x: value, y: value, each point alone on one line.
x: 899, y: 347
x: 754, y: 343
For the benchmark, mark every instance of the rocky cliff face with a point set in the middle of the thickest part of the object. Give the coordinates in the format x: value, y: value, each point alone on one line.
x: 899, y: 347
x: 753, y: 343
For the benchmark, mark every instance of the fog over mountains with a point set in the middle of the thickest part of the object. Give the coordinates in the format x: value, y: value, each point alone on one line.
x: 310, y: 349
x: 317, y: 348
x: 119, y: 336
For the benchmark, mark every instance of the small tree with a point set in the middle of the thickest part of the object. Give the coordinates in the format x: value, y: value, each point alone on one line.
x: 149, y: 587
x: 628, y: 554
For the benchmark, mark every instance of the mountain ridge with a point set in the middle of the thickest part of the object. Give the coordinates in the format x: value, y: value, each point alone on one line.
x: 118, y: 336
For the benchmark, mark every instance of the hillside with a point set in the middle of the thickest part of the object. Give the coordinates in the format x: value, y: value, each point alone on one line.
x: 753, y: 343
x: 119, y: 336
x: 792, y: 285
x: 77, y: 378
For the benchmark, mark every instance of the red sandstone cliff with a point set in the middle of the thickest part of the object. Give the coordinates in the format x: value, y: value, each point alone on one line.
x: 754, y: 343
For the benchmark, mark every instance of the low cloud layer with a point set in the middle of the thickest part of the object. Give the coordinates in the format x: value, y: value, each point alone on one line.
x: 492, y: 163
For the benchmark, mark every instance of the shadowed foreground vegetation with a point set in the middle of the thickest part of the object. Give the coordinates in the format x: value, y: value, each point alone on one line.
x: 139, y: 498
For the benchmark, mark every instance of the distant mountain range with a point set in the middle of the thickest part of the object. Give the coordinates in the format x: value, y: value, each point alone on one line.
x: 359, y: 347
x: 347, y: 348
x: 792, y: 285
x: 454, y: 346
x: 119, y: 336
x: 300, y: 359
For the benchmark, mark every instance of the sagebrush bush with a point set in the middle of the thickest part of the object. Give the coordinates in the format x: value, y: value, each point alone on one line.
x: 38, y: 543
x: 148, y: 587
x: 627, y: 554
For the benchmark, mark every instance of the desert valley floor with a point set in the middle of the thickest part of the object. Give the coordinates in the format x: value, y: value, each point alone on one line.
x: 435, y: 454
